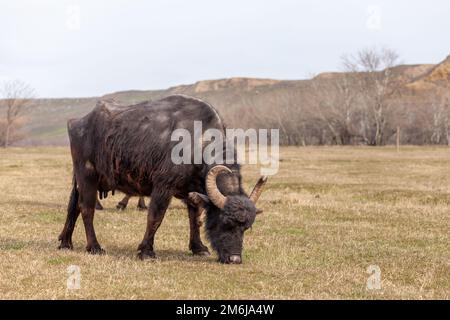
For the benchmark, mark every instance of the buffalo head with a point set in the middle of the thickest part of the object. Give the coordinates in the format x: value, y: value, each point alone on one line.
x: 227, y: 217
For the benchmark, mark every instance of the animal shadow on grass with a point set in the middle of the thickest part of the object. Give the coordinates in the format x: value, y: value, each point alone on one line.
x: 36, y: 204
x: 127, y: 252
x: 163, y: 255
x: 10, y: 244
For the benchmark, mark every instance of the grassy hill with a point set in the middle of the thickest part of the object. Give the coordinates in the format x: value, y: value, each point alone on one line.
x: 46, y: 124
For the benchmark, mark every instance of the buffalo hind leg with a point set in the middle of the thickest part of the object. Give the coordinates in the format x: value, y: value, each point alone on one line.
x: 98, y: 205
x: 73, y: 211
x: 157, y: 209
x: 195, y: 242
x: 123, y: 203
x: 141, y: 204
x: 88, y: 198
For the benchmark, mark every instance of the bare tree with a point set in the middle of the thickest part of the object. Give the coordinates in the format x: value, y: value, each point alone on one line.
x: 440, y: 124
x: 280, y: 109
x: 336, y: 107
x: 377, y: 85
x: 438, y: 117
x: 17, y: 97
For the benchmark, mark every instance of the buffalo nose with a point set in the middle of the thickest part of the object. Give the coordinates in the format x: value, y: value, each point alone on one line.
x: 235, y: 259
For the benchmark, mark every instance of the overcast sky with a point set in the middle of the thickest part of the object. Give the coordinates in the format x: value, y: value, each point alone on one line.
x: 89, y: 48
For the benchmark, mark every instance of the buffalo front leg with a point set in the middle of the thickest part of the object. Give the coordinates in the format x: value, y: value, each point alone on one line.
x: 123, y: 203
x: 195, y: 242
x: 156, y: 212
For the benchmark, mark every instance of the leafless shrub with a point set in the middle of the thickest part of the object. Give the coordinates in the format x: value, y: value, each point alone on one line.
x: 376, y: 86
x: 17, y: 98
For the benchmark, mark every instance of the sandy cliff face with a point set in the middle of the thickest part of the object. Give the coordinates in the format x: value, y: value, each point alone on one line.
x: 438, y: 77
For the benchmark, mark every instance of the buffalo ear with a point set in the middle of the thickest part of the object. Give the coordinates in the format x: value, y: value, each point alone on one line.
x: 199, y: 199
x: 259, y: 211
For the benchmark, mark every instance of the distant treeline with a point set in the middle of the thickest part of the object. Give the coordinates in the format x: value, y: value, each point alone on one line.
x: 368, y: 104
x: 328, y: 116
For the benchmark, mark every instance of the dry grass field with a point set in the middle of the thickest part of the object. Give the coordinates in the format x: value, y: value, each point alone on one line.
x: 330, y: 213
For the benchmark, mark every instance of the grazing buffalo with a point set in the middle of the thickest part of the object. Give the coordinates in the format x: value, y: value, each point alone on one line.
x: 122, y: 205
x: 130, y: 149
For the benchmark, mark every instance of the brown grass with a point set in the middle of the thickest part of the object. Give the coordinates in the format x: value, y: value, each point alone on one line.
x: 329, y: 214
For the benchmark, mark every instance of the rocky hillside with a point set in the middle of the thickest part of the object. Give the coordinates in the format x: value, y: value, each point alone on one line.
x: 435, y: 77
x: 46, y: 125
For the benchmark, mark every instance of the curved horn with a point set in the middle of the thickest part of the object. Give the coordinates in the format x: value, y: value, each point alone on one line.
x: 257, y: 190
x: 211, y: 186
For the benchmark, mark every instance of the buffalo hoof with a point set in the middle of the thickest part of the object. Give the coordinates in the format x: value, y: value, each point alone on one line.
x: 65, y: 245
x: 146, y: 255
x: 199, y: 249
x: 201, y: 253
x: 66, y: 242
x: 142, y: 208
x: 121, y: 206
x: 95, y: 250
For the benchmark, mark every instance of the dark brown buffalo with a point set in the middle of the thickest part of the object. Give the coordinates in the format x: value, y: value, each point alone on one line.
x: 122, y: 205
x: 129, y: 149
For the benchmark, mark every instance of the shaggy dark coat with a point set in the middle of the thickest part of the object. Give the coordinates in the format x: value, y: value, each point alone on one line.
x: 129, y: 149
